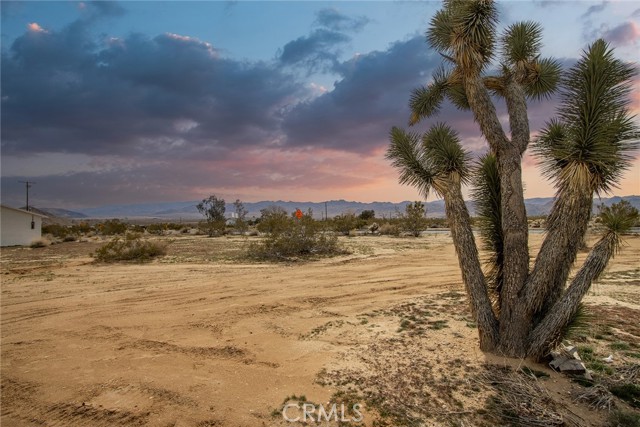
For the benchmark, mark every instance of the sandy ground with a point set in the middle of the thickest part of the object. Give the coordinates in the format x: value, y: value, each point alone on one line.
x: 198, y: 339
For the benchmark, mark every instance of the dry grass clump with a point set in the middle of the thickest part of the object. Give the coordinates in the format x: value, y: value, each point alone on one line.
x: 518, y: 399
x: 388, y: 229
x: 40, y: 243
x: 597, y: 397
x: 131, y: 247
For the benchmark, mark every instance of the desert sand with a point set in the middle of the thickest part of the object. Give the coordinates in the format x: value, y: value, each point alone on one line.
x: 201, y: 337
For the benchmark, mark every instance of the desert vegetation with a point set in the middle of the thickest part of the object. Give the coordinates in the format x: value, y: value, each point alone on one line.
x: 289, y: 237
x: 130, y: 247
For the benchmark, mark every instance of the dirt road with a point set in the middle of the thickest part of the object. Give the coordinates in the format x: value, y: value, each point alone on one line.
x: 182, y: 342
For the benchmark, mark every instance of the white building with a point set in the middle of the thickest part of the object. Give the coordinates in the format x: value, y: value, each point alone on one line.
x: 19, y: 227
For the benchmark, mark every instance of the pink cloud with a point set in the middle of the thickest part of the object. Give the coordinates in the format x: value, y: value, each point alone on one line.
x: 36, y: 28
x: 627, y: 33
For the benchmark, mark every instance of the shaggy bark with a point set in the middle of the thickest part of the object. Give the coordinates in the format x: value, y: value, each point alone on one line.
x: 469, y: 261
x: 518, y: 118
x: 568, y: 223
x: 513, y: 328
x: 546, y: 334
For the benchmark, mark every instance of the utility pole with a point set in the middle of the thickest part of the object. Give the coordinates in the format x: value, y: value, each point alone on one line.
x: 28, y: 185
x: 326, y: 217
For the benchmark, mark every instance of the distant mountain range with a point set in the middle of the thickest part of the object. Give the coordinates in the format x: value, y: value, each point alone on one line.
x: 187, y: 210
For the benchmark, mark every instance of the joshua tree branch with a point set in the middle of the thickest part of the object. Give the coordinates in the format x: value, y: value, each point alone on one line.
x: 561, y: 313
x: 469, y: 261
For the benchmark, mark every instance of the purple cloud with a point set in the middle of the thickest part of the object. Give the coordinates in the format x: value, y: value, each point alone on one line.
x: 625, y: 34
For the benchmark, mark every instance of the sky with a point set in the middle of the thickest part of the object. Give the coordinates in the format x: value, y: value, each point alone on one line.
x: 144, y: 101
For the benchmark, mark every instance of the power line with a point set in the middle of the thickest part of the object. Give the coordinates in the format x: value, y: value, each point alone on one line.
x: 27, y: 185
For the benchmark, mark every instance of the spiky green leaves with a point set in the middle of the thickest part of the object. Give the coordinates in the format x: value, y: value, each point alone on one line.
x: 426, y: 101
x: 521, y: 42
x: 590, y: 143
x: 407, y: 156
x: 442, y: 147
x: 465, y: 30
x: 486, y: 194
x: 542, y: 78
x: 619, y: 217
x: 430, y: 162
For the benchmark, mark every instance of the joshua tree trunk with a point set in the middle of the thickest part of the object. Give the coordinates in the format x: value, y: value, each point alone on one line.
x: 472, y: 275
x: 513, y: 327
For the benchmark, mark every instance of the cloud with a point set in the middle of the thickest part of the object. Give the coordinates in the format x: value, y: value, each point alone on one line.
x: 139, y: 118
x: 105, y: 8
x: 36, y: 28
x: 336, y: 21
x: 320, y: 50
x: 627, y: 33
x: 371, y: 96
x: 65, y: 92
x: 595, y: 9
x: 315, y: 50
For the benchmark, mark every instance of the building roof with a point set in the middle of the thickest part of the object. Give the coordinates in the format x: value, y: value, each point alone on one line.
x: 23, y: 211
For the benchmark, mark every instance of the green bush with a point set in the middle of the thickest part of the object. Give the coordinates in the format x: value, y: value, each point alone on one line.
x: 346, y: 222
x: 413, y: 220
x: 630, y: 393
x: 293, y: 238
x: 130, y: 248
x: 112, y: 226
x: 273, y: 219
x: 158, y: 228
x: 623, y: 419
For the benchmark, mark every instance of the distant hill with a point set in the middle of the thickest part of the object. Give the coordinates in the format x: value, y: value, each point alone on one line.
x: 62, y: 213
x: 187, y: 210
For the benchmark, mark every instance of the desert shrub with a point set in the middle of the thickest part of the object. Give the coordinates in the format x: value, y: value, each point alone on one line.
x: 39, y: 243
x: 627, y: 392
x: 346, y: 222
x: 367, y: 214
x: 112, y: 227
x: 213, y: 228
x: 389, y: 229
x: 56, y: 230
x: 70, y: 238
x: 294, y: 238
x: 81, y: 228
x: 131, y: 247
x: 157, y: 228
x: 623, y: 419
x: 413, y: 220
x: 273, y: 219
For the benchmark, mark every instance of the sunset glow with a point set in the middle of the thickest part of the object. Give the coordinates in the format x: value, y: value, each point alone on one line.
x: 133, y: 102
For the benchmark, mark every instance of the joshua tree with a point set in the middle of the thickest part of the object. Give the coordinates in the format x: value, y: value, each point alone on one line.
x: 584, y: 151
